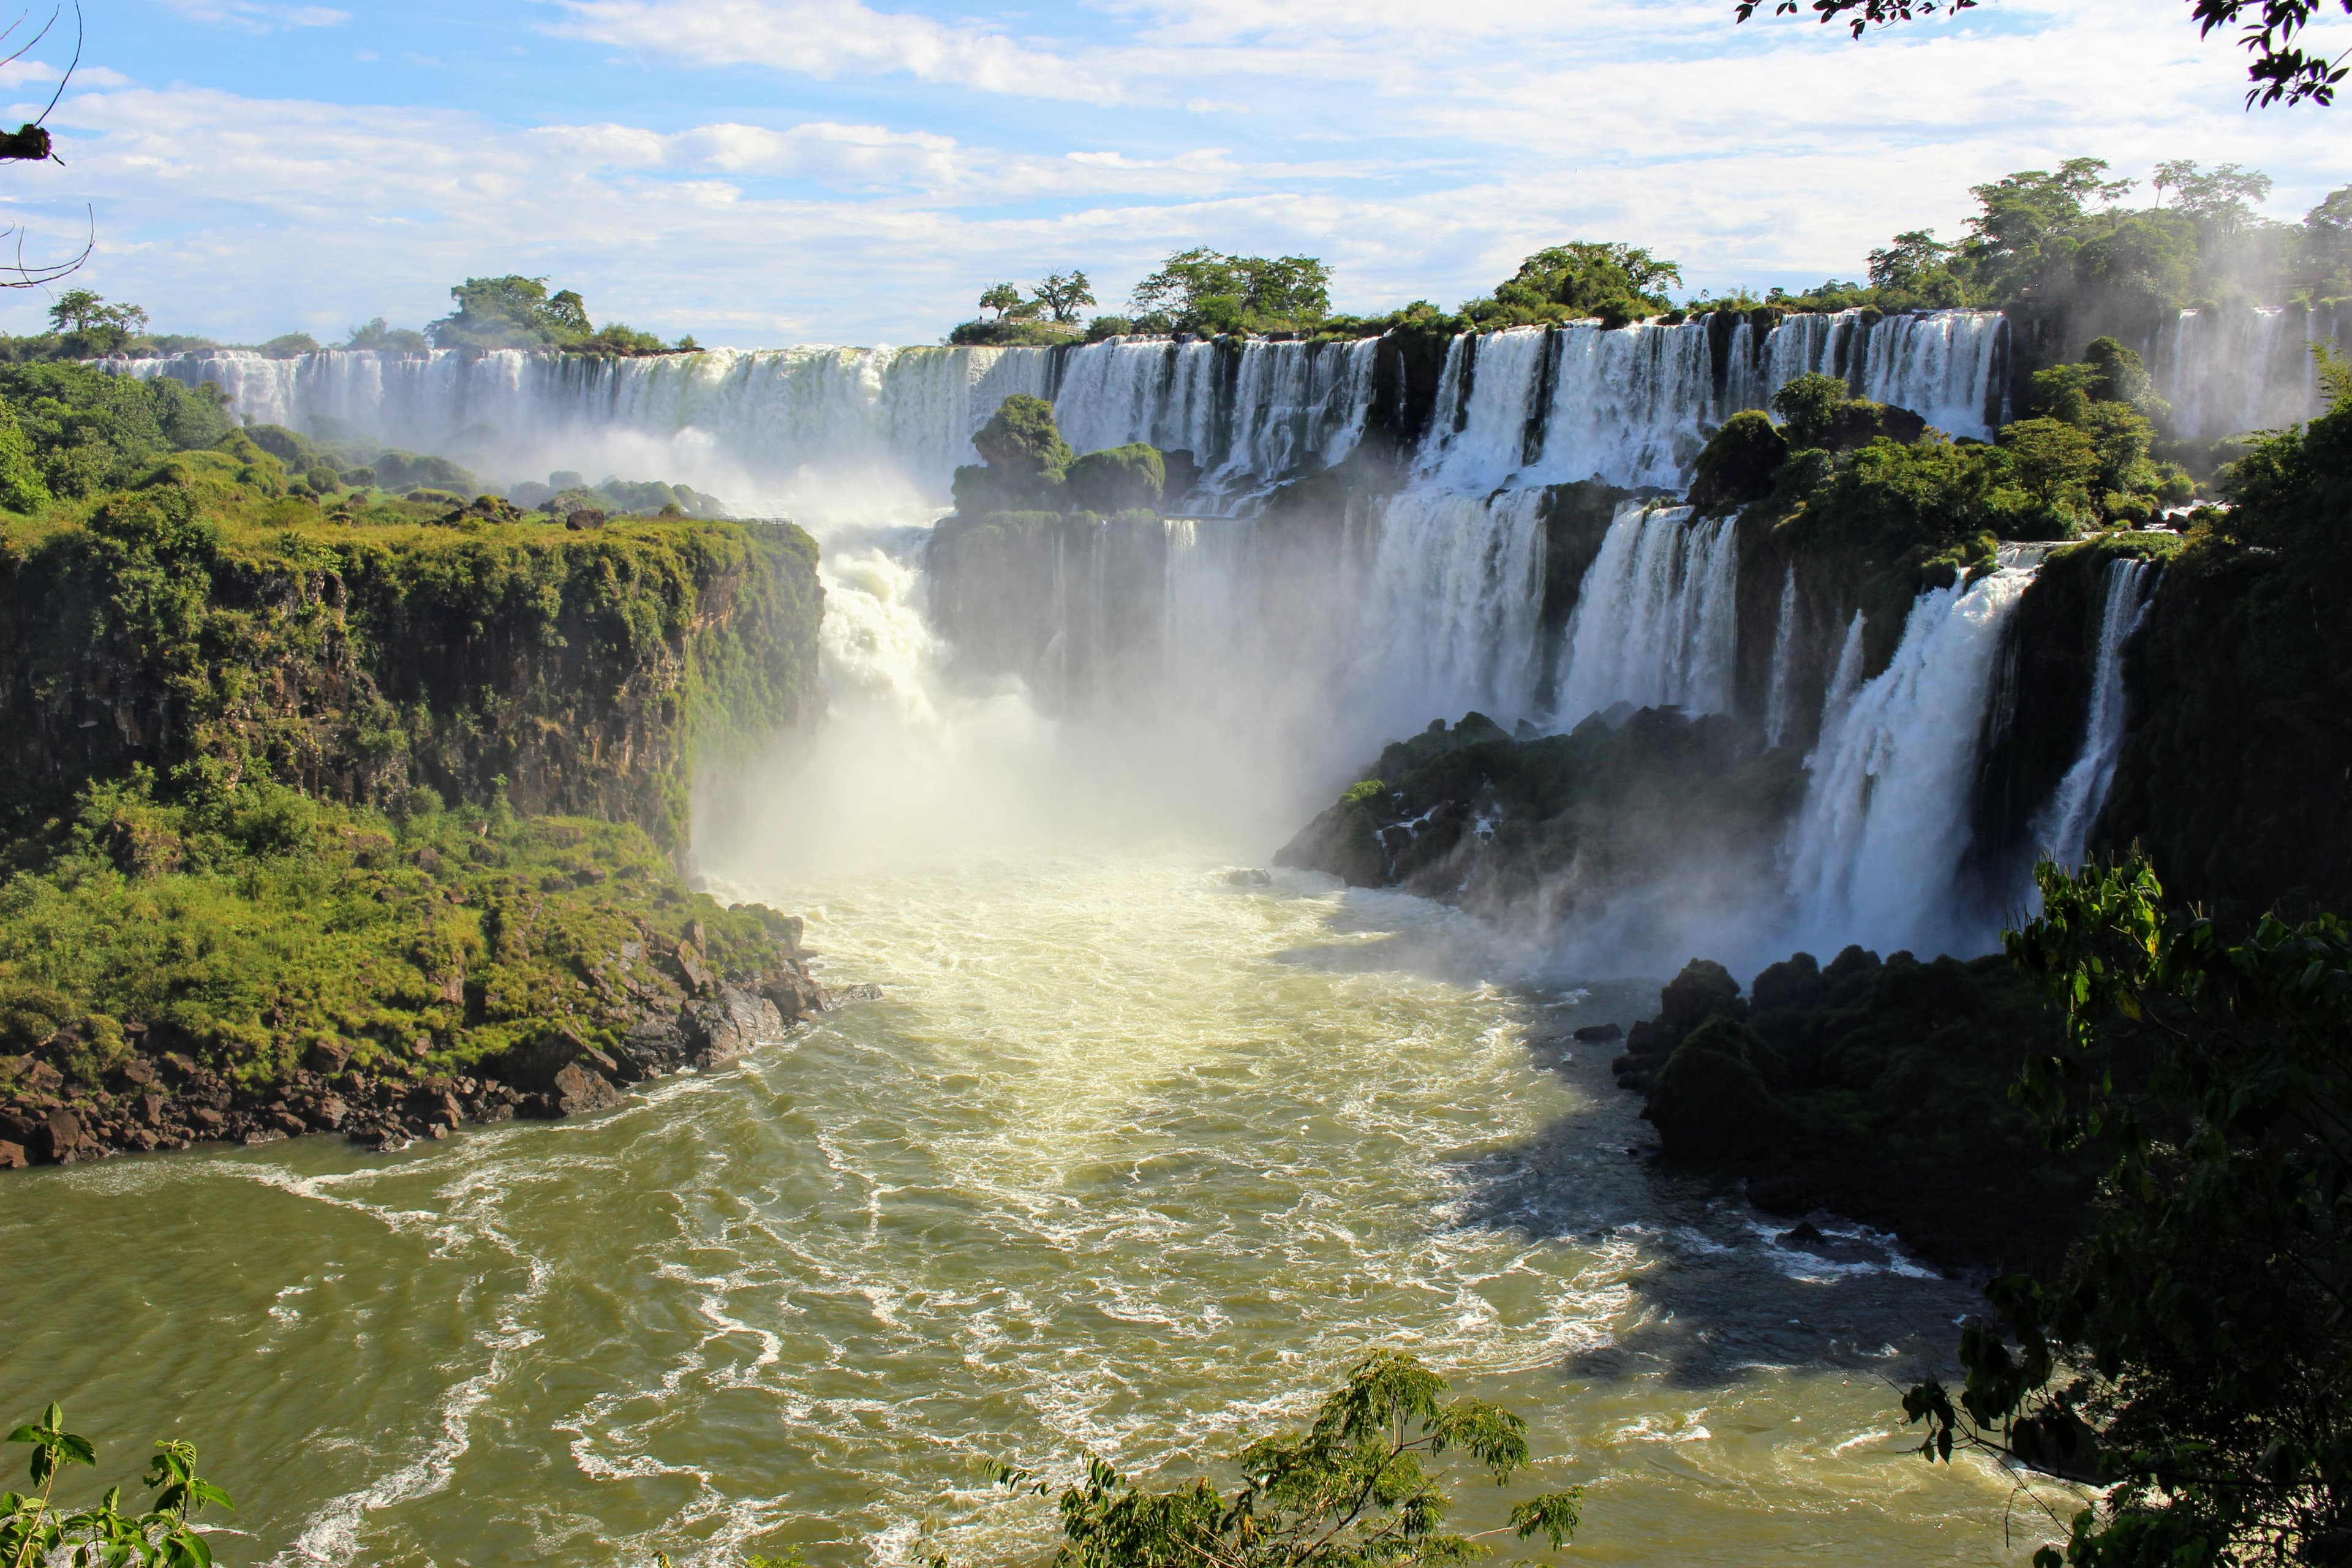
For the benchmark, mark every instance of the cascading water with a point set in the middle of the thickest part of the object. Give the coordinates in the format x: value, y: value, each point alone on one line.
x: 2229, y: 370
x: 1880, y: 837
x: 1656, y: 620
x: 1784, y: 657
x: 1452, y: 612
x: 2064, y: 829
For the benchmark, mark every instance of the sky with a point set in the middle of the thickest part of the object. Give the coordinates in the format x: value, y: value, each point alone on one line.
x: 760, y: 172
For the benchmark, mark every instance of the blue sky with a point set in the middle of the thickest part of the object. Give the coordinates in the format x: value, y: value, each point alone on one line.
x: 764, y: 171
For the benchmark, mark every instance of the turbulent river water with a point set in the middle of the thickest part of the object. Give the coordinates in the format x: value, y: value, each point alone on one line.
x: 1130, y: 1159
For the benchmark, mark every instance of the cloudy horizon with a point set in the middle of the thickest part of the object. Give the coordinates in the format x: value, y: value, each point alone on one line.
x: 767, y: 172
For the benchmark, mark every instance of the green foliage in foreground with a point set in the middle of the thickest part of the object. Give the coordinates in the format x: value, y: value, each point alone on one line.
x: 32, y: 1530
x: 1356, y: 1489
x: 2194, y: 1355
x: 240, y: 925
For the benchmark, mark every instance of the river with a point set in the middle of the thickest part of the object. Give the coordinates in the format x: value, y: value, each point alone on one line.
x: 1130, y: 1159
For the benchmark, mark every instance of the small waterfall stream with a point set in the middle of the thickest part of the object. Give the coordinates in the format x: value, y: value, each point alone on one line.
x: 2065, y: 827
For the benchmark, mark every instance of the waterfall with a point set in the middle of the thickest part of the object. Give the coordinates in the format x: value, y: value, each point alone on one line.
x: 1784, y: 654
x: 1656, y: 620
x: 2064, y: 829
x: 1527, y: 405
x: 1503, y: 372
x: 1453, y: 606
x: 1630, y: 406
x: 2230, y: 370
x: 1879, y: 839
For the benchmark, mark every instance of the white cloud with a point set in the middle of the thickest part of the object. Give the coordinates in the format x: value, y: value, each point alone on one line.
x: 1771, y: 154
x: 834, y: 38
x: 257, y: 16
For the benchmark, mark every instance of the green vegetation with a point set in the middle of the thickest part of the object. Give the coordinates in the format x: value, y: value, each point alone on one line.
x: 32, y: 1531
x: 1356, y: 1489
x: 1577, y: 282
x: 2048, y: 244
x: 1208, y: 291
x: 517, y: 312
x: 2231, y: 777
x: 295, y: 767
x: 240, y: 925
x: 1880, y: 508
x: 1050, y: 315
x: 2189, y: 1355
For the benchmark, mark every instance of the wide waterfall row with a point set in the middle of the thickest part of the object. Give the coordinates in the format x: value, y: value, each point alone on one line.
x: 1634, y: 404
x: 1631, y: 406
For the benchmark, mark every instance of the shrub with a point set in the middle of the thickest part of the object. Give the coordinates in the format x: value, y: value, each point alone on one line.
x: 1118, y: 479
x: 1738, y: 463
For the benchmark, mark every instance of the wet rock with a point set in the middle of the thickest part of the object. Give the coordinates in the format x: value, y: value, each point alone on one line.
x: 205, y: 1119
x: 844, y: 996
x: 151, y: 1109
x: 1599, y: 1033
x: 579, y: 1090
x: 287, y: 1123
x: 12, y: 1156
x: 689, y: 963
x: 261, y: 1135
x: 330, y: 1113
x: 1804, y: 1233
x: 733, y: 1023
x: 1249, y: 876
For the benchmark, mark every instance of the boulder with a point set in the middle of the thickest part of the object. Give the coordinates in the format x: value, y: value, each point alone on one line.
x: 60, y: 1134
x: 328, y: 1057
x: 579, y: 1089
x: 1599, y: 1033
x: 1702, y: 990
x: 1715, y: 1102
x: 732, y: 1022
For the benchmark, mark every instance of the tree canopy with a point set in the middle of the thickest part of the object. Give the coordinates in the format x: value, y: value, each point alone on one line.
x: 1202, y: 288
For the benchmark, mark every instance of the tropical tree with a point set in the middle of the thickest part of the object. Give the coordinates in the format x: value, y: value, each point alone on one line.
x: 510, y: 312
x: 1064, y: 297
x: 1205, y: 287
x: 377, y: 335
x: 1000, y: 298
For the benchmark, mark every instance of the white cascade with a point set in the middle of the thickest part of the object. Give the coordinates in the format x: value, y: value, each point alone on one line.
x: 2230, y: 370
x: 1478, y: 441
x: 2065, y: 827
x: 1878, y: 845
x: 1630, y: 406
x: 1656, y: 619
x: 1453, y: 606
x: 1784, y: 655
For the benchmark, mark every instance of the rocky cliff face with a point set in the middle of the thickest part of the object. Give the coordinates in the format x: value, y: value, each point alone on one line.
x: 584, y: 671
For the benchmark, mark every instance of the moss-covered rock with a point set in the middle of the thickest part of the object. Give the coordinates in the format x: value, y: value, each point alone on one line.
x: 1714, y: 1100
x: 202, y: 622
